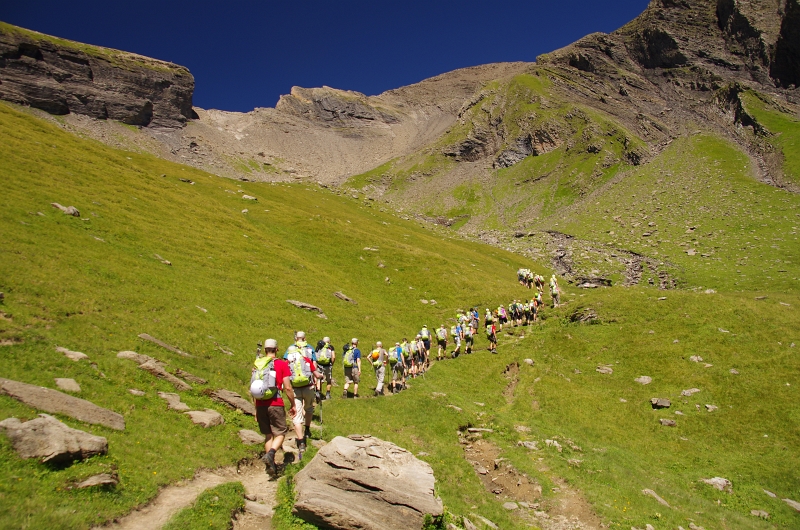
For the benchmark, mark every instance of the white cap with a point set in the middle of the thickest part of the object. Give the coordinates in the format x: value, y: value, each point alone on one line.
x: 300, y: 334
x: 270, y: 343
x: 354, y: 341
x: 326, y: 339
x: 379, y: 344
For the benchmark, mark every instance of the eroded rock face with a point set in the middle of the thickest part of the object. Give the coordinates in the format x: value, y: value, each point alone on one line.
x: 366, y: 483
x: 49, y: 440
x: 62, y: 77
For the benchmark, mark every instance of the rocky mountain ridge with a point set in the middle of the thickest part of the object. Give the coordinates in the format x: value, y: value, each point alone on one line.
x: 62, y: 77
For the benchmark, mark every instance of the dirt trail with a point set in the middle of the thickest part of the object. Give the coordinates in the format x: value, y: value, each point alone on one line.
x: 259, y: 493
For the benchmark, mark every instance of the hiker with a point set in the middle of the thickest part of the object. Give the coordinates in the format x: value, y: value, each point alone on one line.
x: 469, y: 335
x: 397, y: 361
x: 411, y: 359
x: 352, y: 368
x: 421, y: 361
x: 501, y: 313
x: 554, y: 291
x: 300, y: 339
x: 426, y: 339
x: 441, y: 340
x: 491, y: 335
x: 408, y: 357
x: 325, y: 359
x: 457, y: 334
x: 378, y: 359
x: 269, y: 377
x: 303, y: 375
x: 539, y: 281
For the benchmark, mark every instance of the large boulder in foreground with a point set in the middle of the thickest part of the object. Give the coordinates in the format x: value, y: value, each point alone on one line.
x: 364, y: 483
x: 49, y: 440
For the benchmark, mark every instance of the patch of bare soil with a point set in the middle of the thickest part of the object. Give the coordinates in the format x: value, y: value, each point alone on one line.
x: 511, y: 373
x: 567, y: 510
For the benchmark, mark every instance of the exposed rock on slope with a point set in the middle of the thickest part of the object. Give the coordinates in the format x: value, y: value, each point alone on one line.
x: 62, y: 77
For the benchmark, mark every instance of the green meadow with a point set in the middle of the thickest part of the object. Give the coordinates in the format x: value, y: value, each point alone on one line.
x: 93, y: 283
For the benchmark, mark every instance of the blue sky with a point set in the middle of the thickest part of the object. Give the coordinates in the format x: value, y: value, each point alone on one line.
x: 245, y: 54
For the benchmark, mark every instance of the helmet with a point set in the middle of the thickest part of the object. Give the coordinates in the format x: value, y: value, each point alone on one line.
x: 270, y: 343
x: 300, y: 334
x: 257, y: 389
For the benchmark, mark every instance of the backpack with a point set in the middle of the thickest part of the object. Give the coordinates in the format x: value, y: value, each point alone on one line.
x: 375, y: 356
x: 264, y: 371
x: 349, y: 358
x: 441, y: 333
x: 324, y: 355
x: 301, y: 371
x: 425, y: 334
x: 395, y: 356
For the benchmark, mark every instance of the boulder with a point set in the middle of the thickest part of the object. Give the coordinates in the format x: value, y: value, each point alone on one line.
x: 70, y: 385
x: 234, y: 400
x: 57, y: 402
x: 249, y: 437
x: 49, y: 440
x: 157, y: 370
x: 366, y: 483
x: 207, y: 418
x: 173, y: 401
x: 73, y: 355
x: 103, y: 479
x: 660, y: 403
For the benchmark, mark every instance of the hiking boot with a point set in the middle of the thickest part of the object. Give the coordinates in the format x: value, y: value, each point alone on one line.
x: 270, y: 468
x: 308, y: 432
x: 344, y: 394
x: 376, y: 392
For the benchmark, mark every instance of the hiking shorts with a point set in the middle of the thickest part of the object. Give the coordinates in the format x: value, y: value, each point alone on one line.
x: 442, y: 343
x: 352, y: 375
x: 271, y: 420
x: 427, y: 344
x: 327, y: 372
x: 304, y: 404
x: 398, y: 371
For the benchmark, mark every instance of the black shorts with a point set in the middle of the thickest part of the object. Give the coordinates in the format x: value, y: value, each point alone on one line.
x: 427, y: 343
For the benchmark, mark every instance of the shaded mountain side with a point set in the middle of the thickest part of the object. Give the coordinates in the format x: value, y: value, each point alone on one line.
x: 61, y: 77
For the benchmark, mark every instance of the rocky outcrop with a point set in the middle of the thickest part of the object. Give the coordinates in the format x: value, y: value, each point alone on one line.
x: 57, y: 402
x: 333, y: 106
x: 49, y: 440
x: 62, y: 77
x: 366, y: 483
x: 234, y: 400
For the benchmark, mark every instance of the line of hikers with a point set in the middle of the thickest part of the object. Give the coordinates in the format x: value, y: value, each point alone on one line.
x: 302, y: 370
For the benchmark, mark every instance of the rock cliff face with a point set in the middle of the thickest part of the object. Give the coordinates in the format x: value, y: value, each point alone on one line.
x: 62, y: 77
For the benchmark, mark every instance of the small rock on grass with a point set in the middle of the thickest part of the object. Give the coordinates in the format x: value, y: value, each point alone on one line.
x: 207, y: 418
x: 722, y: 484
x: 605, y: 369
x: 759, y: 513
x: 793, y: 504
x: 73, y: 355
x: 689, y: 392
x: 103, y: 479
x: 173, y: 401
x: 249, y: 437
x: 510, y: 505
x: 668, y: 423
x: 529, y: 362
x: 485, y: 521
x: 136, y: 392
x: 711, y: 408
x: 734, y: 371
x: 660, y: 403
x: 770, y: 494
x: 651, y: 493
x: 644, y: 380
x: 67, y: 384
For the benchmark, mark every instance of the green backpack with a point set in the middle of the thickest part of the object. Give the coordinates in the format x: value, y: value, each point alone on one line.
x: 349, y: 358
x: 324, y: 355
x: 301, y: 371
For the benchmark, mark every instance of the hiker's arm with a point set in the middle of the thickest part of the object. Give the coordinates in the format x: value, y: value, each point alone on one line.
x: 287, y: 389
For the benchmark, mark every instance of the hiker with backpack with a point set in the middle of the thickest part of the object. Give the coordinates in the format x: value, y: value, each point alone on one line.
x: 397, y: 361
x: 457, y: 335
x: 269, y: 377
x: 555, y: 292
x: 303, y: 375
x: 421, y: 360
x: 425, y: 334
x: 441, y: 340
x: 469, y: 338
x: 378, y: 358
x: 491, y: 335
x: 351, y: 360
x: 325, y: 358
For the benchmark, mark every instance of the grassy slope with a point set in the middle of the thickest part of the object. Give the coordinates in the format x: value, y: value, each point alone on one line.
x: 66, y: 287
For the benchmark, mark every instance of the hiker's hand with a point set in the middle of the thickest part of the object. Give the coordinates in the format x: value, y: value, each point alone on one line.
x: 292, y: 411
